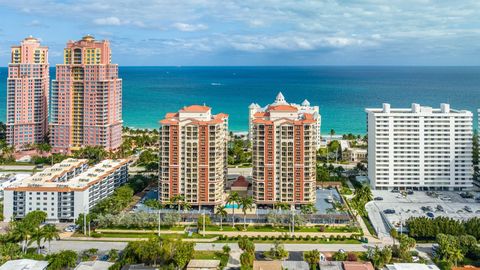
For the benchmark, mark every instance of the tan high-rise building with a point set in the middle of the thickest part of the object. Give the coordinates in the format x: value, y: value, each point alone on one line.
x: 86, y: 98
x: 27, y: 94
x: 193, y: 156
x: 284, y: 155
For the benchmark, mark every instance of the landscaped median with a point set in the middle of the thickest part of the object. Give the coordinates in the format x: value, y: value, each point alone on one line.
x: 258, y: 234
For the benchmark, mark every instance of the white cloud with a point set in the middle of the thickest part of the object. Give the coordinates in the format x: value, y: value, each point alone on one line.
x: 114, y: 21
x: 185, y: 27
x: 273, y: 25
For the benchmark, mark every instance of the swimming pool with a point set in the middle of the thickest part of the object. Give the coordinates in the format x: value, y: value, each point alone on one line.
x: 232, y: 206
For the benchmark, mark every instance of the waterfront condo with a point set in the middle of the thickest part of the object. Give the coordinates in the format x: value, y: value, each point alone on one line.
x: 284, y: 154
x: 280, y: 100
x: 420, y: 148
x: 65, y: 190
x: 27, y: 94
x: 86, y: 107
x: 193, y: 156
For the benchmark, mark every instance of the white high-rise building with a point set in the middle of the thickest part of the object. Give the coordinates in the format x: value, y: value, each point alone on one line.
x: 420, y: 148
x: 280, y: 100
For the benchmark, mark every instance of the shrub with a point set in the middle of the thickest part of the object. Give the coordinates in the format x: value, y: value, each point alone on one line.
x: 321, y: 228
x: 352, y: 257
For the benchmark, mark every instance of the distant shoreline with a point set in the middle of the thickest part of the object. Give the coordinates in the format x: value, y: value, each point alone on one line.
x: 244, y: 133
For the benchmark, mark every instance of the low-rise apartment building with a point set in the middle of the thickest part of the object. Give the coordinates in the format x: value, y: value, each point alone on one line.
x: 65, y: 190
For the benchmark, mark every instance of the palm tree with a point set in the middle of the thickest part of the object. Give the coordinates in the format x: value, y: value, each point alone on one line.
x: 178, y: 199
x: 308, y: 210
x: 222, y: 213
x: 312, y: 257
x: 393, y: 234
x: 233, y: 199
x: 330, y: 211
x: 50, y: 233
x: 22, y: 231
x: 247, y: 204
x: 62, y: 260
x: 37, y: 237
x: 456, y: 255
x: 157, y: 205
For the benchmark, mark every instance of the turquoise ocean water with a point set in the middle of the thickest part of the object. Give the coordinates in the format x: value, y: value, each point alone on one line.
x: 341, y: 92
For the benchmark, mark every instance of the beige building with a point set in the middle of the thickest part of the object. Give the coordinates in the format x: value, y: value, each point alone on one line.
x: 355, y: 155
x: 284, y: 155
x: 193, y: 155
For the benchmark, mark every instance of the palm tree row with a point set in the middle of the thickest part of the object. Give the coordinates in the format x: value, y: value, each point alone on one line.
x: 29, y: 230
x: 245, y: 203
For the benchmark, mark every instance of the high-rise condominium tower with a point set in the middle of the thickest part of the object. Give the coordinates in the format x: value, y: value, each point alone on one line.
x: 420, y: 148
x: 27, y: 93
x: 86, y: 98
x: 193, y: 156
x: 284, y: 154
x: 280, y: 100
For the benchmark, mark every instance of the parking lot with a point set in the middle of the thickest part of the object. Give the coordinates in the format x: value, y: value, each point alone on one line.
x: 441, y: 203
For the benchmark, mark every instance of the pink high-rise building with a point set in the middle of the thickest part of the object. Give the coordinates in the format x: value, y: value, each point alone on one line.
x: 27, y: 94
x: 86, y: 107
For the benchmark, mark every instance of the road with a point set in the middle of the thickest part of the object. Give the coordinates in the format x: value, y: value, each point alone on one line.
x: 105, y: 246
x: 79, y: 246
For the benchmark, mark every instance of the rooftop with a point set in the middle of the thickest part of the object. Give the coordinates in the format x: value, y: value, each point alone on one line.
x: 358, y: 266
x: 24, y: 264
x: 411, y: 266
x: 195, y: 108
x: 49, y: 179
x: 93, y: 265
x: 203, y: 264
x: 417, y: 109
x: 240, y: 182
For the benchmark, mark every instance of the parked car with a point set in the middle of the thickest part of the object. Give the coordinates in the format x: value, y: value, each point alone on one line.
x: 378, y: 199
x: 466, y: 195
x: 440, y: 208
x: 468, y: 209
x: 389, y: 211
x: 430, y: 215
x: 395, y: 190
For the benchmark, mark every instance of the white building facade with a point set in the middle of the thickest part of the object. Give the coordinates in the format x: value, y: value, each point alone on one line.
x: 420, y: 148
x: 65, y: 190
x: 305, y: 107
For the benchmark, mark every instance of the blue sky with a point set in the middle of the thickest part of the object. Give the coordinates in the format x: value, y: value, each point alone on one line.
x: 248, y: 32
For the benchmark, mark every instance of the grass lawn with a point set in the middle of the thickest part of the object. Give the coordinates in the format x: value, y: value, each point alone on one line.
x: 302, y: 241
x: 148, y: 235
x: 267, y: 228
x: 369, y: 225
x: 211, y: 255
x: 166, y: 228
x: 207, y: 255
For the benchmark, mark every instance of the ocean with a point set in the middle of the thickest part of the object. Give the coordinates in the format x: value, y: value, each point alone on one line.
x: 342, y: 93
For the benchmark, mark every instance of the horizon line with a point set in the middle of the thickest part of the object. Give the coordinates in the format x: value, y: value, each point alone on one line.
x: 354, y: 65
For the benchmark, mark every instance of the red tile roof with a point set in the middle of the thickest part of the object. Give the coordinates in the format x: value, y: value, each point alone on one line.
x: 358, y: 266
x: 241, y: 182
x: 285, y: 108
x: 195, y: 108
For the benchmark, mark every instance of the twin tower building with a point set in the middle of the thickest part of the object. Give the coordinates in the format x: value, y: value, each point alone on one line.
x: 86, y: 101
x: 285, y: 138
